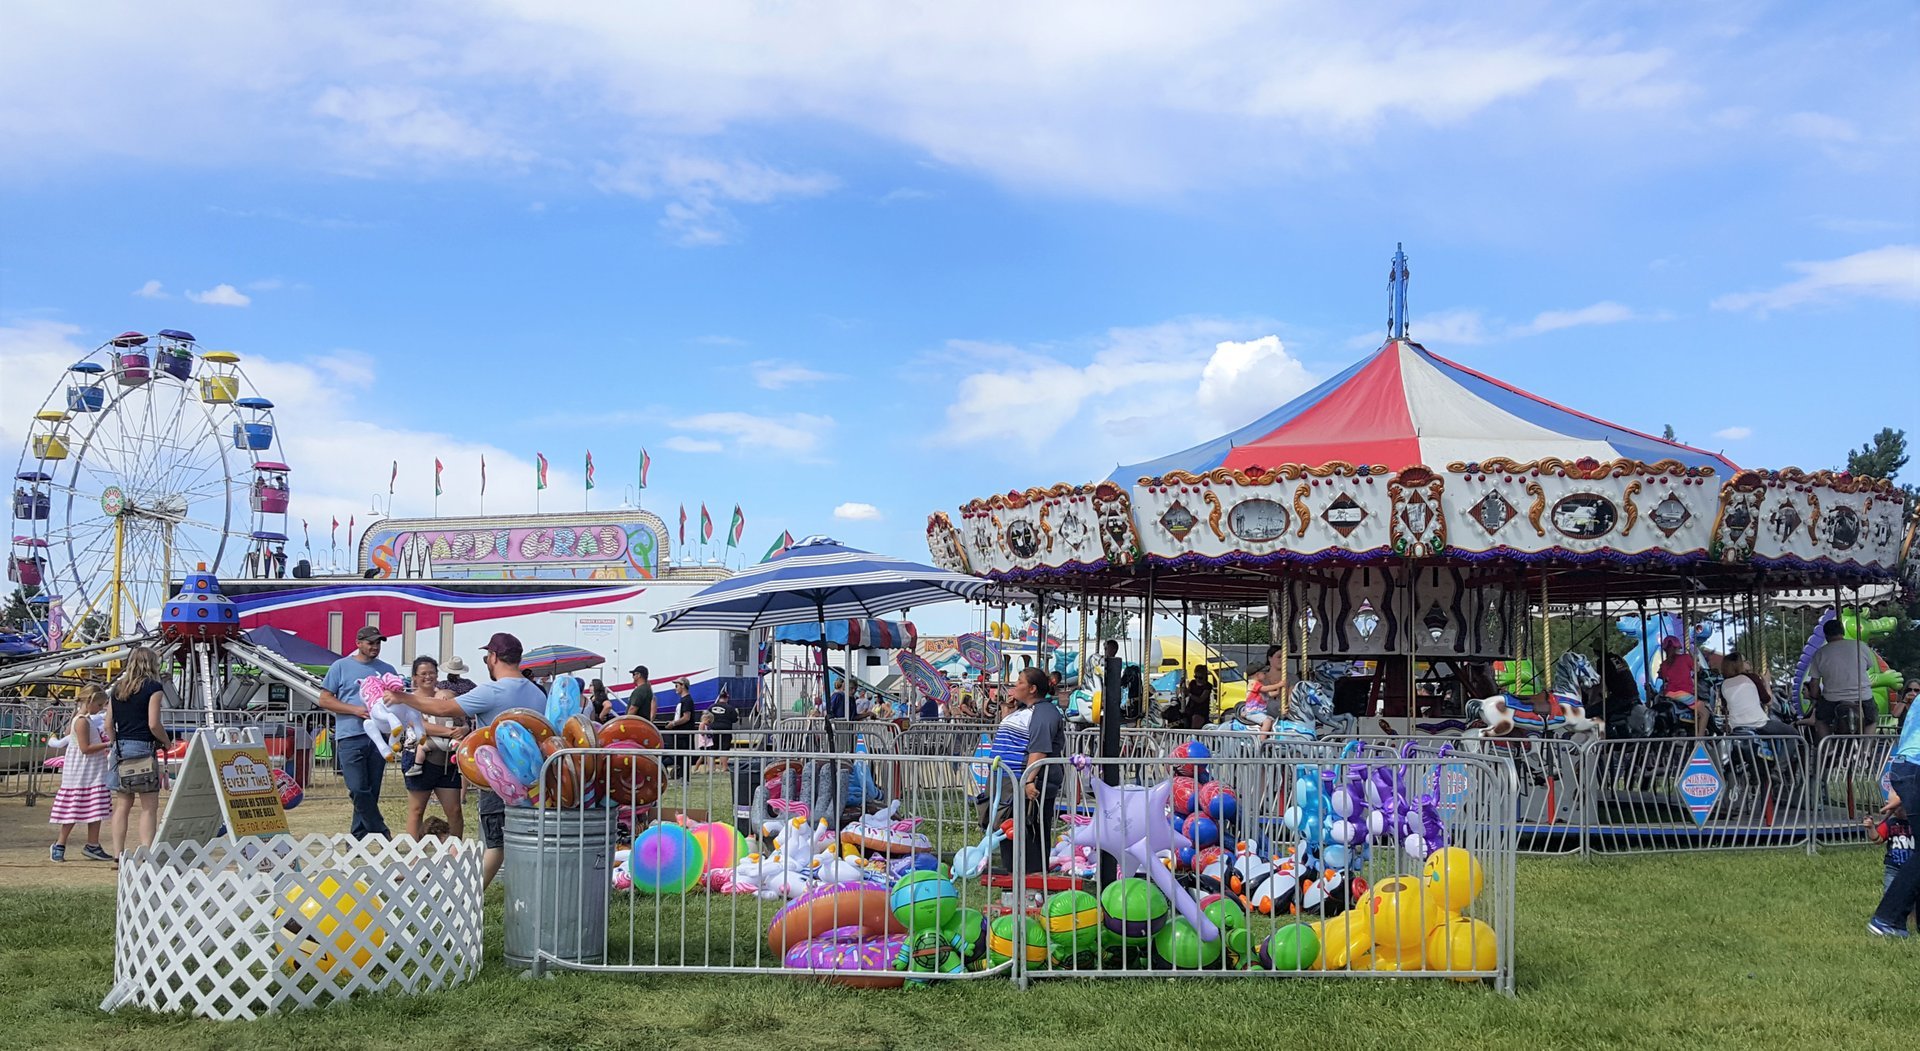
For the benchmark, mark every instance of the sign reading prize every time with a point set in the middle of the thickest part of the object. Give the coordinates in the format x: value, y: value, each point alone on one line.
x: 226, y: 783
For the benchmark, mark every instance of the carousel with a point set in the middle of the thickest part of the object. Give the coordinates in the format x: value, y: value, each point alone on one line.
x: 1420, y: 525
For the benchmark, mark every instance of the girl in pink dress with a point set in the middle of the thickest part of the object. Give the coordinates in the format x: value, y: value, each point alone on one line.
x: 83, y: 798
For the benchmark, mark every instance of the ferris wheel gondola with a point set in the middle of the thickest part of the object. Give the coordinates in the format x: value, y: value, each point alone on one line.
x: 150, y: 457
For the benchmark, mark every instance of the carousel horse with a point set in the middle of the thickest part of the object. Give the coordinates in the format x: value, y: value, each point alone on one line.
x: 1552, y: 714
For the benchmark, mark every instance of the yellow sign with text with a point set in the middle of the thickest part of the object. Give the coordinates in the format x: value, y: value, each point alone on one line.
x: 247, y: 792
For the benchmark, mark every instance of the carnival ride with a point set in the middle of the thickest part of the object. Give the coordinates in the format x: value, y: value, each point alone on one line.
x: 150, y: 456
x: 1429, y: 519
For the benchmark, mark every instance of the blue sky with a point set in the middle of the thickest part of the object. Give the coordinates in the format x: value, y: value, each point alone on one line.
x: 882, y: 258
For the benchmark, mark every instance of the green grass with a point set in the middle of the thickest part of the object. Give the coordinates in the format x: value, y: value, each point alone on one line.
x: 1678, y: 951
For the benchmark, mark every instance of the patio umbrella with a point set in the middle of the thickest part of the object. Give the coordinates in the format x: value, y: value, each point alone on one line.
x: 923, y: 676
x: 811, y: 582
x: 547, y: 661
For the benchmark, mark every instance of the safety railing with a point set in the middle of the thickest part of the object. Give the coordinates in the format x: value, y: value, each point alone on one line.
x: 1850, y: 783
x: 834, y: 871
x: 927, y: 879
x: 26, y: 728
x: 1731, y: 792
x: 1273, y: 863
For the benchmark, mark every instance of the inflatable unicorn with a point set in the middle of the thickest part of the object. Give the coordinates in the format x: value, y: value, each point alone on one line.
x: 384, y: 720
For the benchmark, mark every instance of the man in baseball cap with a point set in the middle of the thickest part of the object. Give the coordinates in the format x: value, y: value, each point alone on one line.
x: 360, y: 763
x: 504, y: 646
x: 640, y: 701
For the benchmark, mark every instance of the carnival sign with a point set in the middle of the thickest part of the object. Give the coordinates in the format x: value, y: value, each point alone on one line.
x: 1700, y: 784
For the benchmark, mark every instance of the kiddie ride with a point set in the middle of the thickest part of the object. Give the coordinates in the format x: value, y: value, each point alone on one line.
x: 1421, y: 520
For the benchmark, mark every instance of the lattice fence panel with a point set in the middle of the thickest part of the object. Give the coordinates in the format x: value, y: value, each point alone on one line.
x: 238, y: 930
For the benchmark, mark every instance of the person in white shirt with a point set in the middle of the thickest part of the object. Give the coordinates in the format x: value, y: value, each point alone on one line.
x: 1745, y: 699
x: 1842, y: 672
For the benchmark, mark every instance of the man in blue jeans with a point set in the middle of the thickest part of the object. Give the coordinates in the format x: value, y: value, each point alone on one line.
x: 1890, y: 919
x: 361, y: 765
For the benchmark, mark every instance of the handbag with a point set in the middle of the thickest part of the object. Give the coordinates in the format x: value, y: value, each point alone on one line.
x: 137, y: 773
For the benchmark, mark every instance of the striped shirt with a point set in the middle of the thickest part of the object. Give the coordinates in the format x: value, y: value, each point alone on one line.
x: 1010, y: 740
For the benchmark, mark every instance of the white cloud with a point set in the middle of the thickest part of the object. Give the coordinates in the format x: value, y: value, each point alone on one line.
x: 1440, y: 329
x: 1605, y: 313
x: 1139, y: 391
x: 1116, y: 98
x: 1820, y: 127
x: 388, y: 124
x: 682, y: 443
x: 855, y: 512
x: 776, y: 375
x: 1733, y: 434
x: 151, y: 290
x: 698, y: 188
x: 796, y: 434
x: 1892, y: 272
x: 221, y: 295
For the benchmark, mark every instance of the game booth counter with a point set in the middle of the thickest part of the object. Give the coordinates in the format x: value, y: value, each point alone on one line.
x: 1412, y: 528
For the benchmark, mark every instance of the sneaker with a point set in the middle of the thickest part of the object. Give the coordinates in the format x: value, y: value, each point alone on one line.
x: 96, y: 852
x: 57, y: 852
x: 1873, y: 927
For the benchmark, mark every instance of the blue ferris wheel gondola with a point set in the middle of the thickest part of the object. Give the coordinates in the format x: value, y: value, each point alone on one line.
x: 86, y: 393
x: 255, y: 432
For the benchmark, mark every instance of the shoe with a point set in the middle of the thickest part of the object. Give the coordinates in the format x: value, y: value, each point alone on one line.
x: 1874, y: 927
x: 96, y: 852
x: 57, y: 852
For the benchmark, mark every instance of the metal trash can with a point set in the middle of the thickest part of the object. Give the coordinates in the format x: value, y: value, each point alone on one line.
x: 572, y: 872
x: 747, y: 771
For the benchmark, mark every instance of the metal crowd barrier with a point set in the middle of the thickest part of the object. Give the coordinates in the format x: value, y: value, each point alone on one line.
x: 1849, y: 786
x: 26, y: 727
x: 680, y: 876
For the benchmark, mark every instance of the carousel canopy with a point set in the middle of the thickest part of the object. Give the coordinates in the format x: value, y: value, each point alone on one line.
x: 1406, y: 405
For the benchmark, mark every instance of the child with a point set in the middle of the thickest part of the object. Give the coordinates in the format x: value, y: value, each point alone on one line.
x: 84, y: 797
x: 437, y: 826
x: 1896, y: 831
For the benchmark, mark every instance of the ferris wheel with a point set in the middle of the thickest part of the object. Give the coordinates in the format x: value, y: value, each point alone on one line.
x: 150, y: 457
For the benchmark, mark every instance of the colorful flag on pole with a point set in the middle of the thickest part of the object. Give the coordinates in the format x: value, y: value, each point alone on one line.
x: 706, y: 524
x: 349, y: 530
x: 307, y: 534
x: 540, y: 471
x: 646, y: 464
x: 739, y: 526
x: 394, y: 477
x: 438, y: 467
x: 483, y: 474
x: 589, y: 468
x: 683, y: 525
x: 784, y: 542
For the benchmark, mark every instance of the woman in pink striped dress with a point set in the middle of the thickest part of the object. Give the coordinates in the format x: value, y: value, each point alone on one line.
x: 83, y: 798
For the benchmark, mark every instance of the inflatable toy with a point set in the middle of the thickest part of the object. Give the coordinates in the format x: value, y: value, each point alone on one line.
x: 564, y: 701
x: 1182, y: 795
x: 924, y: 901
x: 1131, y: 824
x: 1343, y: 939
x: 290, y: 791
x: 1200, y: 830
x: 849, y: 956
x: 1295, y: 947
x: 520, y: 751
x: 932, y: 952
x: 970, y: 926
x: 1452, y: 879
x: 495, y: 776
x: 720, y: 843
x: 533, y: 722
x: 666, y: 859
x: 886, y: 833
x: 1400, y: 914
x: 1135, y: 910
x: 1218, y: 802
x: 463, y: 755
x: 1190, y: 751
x: 970, y: 862
x: 1072, y: 919
x: 313, y: 921
x: 829, y: 909
x: 385, y: 721
x: 631, y: 780
x: 1178, y: 945
x: 1000, y: 935
x: 1462, y: 945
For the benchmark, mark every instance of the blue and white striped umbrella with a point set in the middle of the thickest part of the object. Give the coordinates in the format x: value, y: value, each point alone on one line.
x: 815, y: 580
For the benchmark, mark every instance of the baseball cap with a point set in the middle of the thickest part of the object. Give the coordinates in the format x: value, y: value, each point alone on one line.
x: 503, y: 646
x: 369, y: 634
x: 636, y: 669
